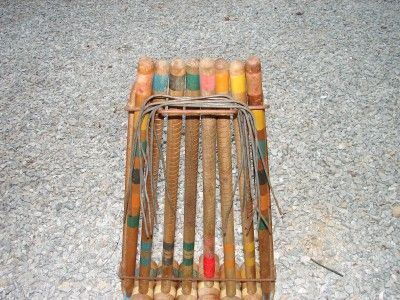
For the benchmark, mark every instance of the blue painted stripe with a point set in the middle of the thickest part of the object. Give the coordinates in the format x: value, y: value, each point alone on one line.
x: 146, y: 246
x: 145, y: 261
x: 160, y: 83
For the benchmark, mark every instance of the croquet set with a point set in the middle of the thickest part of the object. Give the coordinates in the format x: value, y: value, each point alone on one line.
x: 200, y: 120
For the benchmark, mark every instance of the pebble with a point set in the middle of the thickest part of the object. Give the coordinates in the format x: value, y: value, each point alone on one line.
x: 299, y: 281
x: 341, y: 295
x: 3, y: 283
x: 349, y: 289
x: 396, y: 211
x: 381, y: 295
x: 103, y: 285
x: 305, y: 259
x: 65, y: 287
x: 274, y: 152
x: 301, y: 290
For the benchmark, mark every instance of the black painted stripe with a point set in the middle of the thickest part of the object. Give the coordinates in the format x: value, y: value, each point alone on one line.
x: 262, y: 177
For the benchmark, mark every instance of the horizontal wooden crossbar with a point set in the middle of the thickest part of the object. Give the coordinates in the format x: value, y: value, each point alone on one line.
x: 199, y: 111
x: 200, y: 279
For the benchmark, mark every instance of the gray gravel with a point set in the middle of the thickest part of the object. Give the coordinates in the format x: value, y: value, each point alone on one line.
x: 331, y: 73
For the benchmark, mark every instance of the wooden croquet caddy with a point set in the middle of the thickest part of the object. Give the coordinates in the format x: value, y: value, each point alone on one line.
x: 218, y: 108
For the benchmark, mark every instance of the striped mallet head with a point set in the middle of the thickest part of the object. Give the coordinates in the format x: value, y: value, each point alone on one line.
x: 161, y: 77
x: 144, y: 79
x: 254, y: 81
x: 238, y: 80
x: 207, y: 76
x: 192, y: 78
x: 221, y: 76
x: 142, y: 90
x: 177, y: 77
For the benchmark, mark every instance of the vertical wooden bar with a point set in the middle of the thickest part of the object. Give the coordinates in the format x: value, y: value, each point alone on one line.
x: 158, y: 294
x: 143, y: 90
x: 208, y: 261
x: 126, y: 284
x: 191, y: 167
x: 160, y: 86
x: 238, y: 293
x: 225, y: 179
x: 174, y: 127
x: 193, y: 291
x: 245, y: 295
x: 238, y: 89
x: 136, y: 295
x: 255, y: 96
x: 129, y: 136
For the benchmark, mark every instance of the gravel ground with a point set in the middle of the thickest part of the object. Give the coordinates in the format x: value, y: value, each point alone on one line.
x: 331, y: 73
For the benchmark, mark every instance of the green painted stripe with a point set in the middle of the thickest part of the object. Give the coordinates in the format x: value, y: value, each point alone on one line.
x: 133, y: 221
x: 136, y: 171
x: 188, y: 246
x: 145, y: 261
x: 187, y: 261
x: 146, y: 246
x: 262, y: 149
x: 262, y: 225
x: 137, y: 151
x: 192, y: 82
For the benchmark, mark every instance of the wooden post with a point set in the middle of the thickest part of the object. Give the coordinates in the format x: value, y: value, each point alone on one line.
x: 193, y: 291
x: 237, y: 286
x: 238, y: 87
x: 245, y: 295
x: 191, y: 168
x: 225, y: 179
x: 158, y: 293
x: 143, y: 90
x: 255, y: 96
x: 136, y: 294
x: 174, y: 127
x: 160, y: 86
x: 208, y: 261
